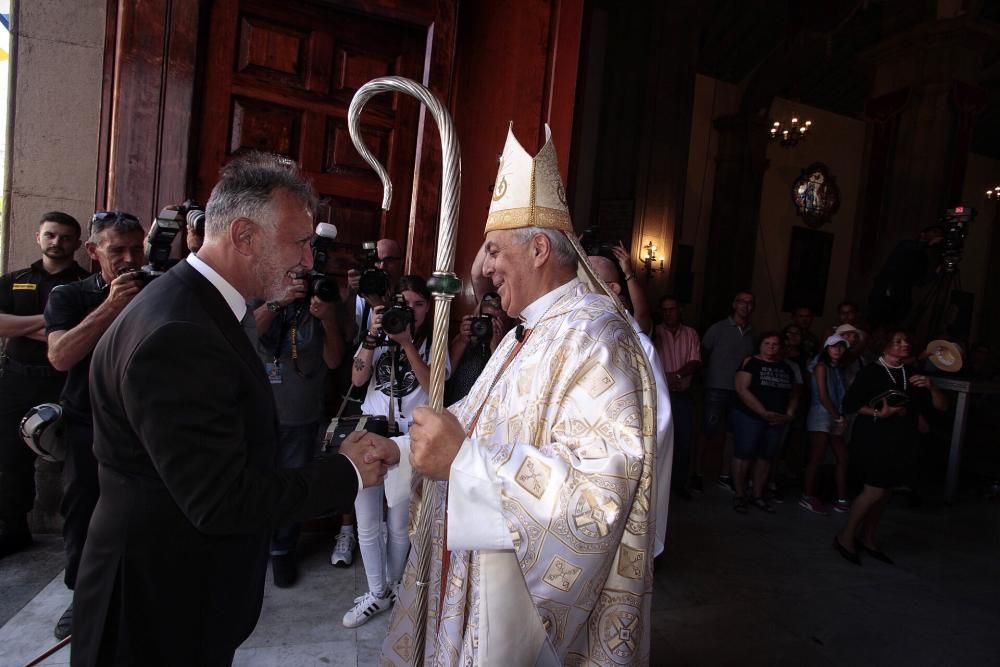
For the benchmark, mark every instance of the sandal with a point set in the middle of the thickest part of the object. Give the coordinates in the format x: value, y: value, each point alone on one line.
x: 762, y: 505
x: 740, y: 504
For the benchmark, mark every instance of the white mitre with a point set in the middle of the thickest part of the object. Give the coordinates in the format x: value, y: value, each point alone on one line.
x: 529, y: 192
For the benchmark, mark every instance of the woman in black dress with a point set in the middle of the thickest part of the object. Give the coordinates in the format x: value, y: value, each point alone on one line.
x: 887, y: 397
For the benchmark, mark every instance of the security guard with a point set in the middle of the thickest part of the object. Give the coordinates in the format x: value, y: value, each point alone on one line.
x: 26, y: 376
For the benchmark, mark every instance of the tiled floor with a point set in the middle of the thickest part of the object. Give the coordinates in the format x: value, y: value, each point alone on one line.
x: 731, y: 590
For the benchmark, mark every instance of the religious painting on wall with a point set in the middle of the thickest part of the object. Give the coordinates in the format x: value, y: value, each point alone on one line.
x: 808, y: 269
x: 816, y: 195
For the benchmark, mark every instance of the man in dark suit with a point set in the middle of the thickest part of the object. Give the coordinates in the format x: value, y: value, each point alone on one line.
x: 184, y: 433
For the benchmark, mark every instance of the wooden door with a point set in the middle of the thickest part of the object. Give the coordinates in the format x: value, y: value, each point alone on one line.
x: 279, y: 77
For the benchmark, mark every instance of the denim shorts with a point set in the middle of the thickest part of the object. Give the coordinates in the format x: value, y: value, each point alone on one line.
x: 754, y: 438
x: 819, y: 420
x: 718, y: 404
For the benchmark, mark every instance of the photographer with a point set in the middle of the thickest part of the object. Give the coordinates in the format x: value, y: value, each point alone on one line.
x: 397, y: 356
x: 475, y: 343
x: 76, y: 316
x: 299, y: 340
x: 372, y: 288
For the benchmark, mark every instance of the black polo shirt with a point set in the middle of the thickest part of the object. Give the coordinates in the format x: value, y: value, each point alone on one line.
x: 25, y: 292
x: 68, y: 306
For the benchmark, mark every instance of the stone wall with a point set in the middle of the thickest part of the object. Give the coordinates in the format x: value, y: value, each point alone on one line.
x: 57, y: 71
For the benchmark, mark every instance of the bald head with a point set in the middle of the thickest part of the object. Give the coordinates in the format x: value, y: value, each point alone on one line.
x: 606, y: 271
x: 390, y: 259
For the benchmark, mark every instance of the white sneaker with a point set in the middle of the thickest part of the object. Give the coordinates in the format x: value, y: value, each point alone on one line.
x: 394, y: 592
x: 366, y: 606
x: 343, y: 550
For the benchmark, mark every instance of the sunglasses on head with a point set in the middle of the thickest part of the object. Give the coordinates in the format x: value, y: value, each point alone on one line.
x: 103, y: 219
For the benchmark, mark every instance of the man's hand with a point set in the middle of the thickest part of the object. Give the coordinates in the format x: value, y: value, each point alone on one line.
x: 371, y: 454
x: 624, y: 260
x: 435, y: 439
x: 353, y: 281
x: 323, y: 310
x: 123, y: 289
x: 295, y: 289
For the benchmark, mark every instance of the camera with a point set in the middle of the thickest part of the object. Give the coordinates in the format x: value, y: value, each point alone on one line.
x: 481, y: 328
x: 162, y: 232
x: 324, y: 287
x: 397, y: 317
x: 374, y: 281
x: 194, y: 216
x: 955, y: 222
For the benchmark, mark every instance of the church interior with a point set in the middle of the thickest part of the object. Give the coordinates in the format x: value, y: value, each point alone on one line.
x: 793, y: 150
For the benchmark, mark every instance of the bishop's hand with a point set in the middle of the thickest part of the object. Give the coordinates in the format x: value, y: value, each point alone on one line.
x: 435, y: 438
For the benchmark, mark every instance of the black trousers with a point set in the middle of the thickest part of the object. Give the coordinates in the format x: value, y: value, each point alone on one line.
x: 18, y: 394
x: 80, y: 491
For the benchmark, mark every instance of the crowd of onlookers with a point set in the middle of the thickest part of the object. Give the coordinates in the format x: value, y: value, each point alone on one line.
x: 771, y: 390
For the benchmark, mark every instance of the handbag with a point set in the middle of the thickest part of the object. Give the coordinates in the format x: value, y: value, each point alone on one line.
x: 894, y: 398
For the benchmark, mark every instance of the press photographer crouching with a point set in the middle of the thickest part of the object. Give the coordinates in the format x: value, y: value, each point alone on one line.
x: 395, y: 351
x: 76, y: 316
x: 474, y: 344
x: 299, y: 339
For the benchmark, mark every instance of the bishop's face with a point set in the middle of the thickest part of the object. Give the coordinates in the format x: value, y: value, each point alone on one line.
x: 509, y: 266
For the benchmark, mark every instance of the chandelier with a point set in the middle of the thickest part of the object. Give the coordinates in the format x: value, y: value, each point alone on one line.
x: 790, y: 135
x: 993, y: 194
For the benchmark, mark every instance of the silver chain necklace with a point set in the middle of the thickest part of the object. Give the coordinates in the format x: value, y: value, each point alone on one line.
x: 881, y: 361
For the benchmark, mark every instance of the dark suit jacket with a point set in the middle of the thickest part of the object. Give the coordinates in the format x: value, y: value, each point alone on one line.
x: 185, y: 431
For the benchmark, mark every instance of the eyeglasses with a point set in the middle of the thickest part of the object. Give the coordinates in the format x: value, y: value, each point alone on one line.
x: 386, y: 260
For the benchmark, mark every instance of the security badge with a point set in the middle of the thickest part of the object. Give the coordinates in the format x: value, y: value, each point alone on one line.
x: 273, y: 370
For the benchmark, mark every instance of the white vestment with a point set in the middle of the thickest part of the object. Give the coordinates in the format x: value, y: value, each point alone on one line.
x: 550, y: 504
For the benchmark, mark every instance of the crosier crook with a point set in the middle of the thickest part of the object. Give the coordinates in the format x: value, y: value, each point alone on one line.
x: 444, y: 285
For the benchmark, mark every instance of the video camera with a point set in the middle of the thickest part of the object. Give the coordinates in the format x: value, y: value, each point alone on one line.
x: 374, y: 281
x: 318, y: 283
x: 955, y: 222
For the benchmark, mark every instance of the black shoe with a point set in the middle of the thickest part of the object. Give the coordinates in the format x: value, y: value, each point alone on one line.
x: 843, y: 551
x: 878, y: 555
x: 65, y: 624
x: 740, y: 504
x: 285, y: 570
x: 13, y: 539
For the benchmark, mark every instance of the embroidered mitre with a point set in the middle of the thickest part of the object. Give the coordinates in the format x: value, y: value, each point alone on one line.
x: 529, y: 192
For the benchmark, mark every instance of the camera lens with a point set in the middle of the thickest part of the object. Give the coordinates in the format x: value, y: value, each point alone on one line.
x: 396, y: 319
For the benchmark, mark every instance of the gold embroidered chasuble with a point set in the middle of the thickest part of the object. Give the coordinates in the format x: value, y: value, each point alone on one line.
x: 569, y: 432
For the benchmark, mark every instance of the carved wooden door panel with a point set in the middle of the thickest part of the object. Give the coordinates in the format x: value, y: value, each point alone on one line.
x: 279, y: 77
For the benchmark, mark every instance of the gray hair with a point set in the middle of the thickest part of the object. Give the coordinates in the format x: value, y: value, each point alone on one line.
x: 562, y: 248
x: 246, y: 187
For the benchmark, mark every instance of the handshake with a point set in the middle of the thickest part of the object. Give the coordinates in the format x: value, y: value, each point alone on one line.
x: 371, y: 455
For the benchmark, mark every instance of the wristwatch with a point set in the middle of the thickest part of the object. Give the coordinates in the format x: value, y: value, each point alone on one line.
x: 273, y: 306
